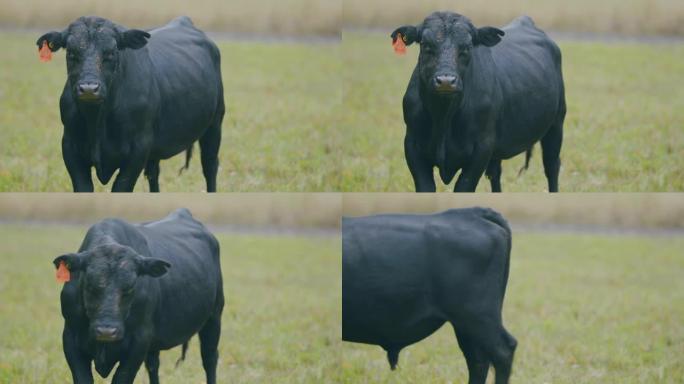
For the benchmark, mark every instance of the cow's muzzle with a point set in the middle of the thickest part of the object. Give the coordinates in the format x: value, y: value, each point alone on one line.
x: 89, y: 92
x: 108, y: 334
x: 445, y: 84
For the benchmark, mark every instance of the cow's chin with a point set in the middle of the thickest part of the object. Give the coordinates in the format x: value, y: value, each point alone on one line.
x: 446, y: 93
x: 105, y: 339
x: 87, y: 99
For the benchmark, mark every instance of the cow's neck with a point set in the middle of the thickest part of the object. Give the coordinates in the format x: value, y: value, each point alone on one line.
x: 94, y: 116
x: 106, y: 356
x: 442, y: 112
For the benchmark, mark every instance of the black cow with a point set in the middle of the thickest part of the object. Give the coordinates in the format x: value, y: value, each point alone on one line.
x: 475, y: 99
x: 137, y: 289
x: 129, y: 103
x: 404, y: 276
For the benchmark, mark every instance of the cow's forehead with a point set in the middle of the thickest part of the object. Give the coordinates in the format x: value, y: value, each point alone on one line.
x: 107, y: 260
x: 441, y: 26
x: 91, y: 30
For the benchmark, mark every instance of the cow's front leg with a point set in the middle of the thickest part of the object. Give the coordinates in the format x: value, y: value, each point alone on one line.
x: 131, y: 170
x: 77, y: 166
x: 79, y: 363
x: 472, y: 173
x: 421, y: 169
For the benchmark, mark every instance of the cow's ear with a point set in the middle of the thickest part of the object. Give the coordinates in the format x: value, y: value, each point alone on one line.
x: 488, y: 36
x: 409, y: 33
x: 72, y: 261
x: 133, y: 39
x: 55, y: 40
x: 152, y: 267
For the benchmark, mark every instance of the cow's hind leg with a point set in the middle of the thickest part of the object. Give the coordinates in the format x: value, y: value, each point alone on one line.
x: 476, y: 359
x: 152, y: 174
x: 494, y: 174
x: 551, y: 147
x: 152, y: 365
x: 209, y: 337
x: 499, y: 346
x: 501, y: 355
x: 209, y: 147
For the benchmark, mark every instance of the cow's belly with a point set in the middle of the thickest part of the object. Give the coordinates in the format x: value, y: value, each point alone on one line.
x: 397, y: 319
x: 188, y: 108
x: 396, y: 333
x: 188, y: 300
x: 521, y: 125
x: 387, y: 307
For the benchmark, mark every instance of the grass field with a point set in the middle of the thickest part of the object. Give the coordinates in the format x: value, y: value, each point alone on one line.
x: 614, y: 16
x: 279, y: 133
x: 584, y: 309
x: 280, y: 324
x: 623, y: 130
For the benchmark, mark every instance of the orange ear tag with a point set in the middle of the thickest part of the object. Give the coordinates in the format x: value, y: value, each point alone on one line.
x: 45, y: 54
x: 399, y: 45
x: 63, y: 274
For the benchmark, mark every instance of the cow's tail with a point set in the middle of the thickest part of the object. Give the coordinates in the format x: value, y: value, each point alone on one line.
x: 182, y: 358
x: 528, y: 156
x: 499, y: 220
x: 188, y: 156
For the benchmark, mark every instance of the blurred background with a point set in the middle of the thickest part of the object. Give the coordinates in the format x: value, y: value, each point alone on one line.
x: 619, y: 211
x: 660, y: 17
x: 264, y: 17
x: 277, y: 212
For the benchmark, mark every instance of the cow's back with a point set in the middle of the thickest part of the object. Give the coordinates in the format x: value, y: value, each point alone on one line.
x: 186, y: 68
x: 192, y: 289
x: 528, y: 70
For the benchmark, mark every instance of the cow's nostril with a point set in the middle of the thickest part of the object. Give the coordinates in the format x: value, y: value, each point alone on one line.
x: 106, y: 331
x: 446, y: 80
x: 445, y: 83
x: 88, y: 87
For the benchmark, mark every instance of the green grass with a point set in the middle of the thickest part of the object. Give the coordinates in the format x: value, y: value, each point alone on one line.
x: 584, y: 309
x: 279, y: 133
x: 280, y: 324
x: 623, y: 130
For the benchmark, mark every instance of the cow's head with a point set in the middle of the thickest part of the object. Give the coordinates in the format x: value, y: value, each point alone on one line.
x: 109, y: 277
x: 93, y: 48
x: 446, y: 42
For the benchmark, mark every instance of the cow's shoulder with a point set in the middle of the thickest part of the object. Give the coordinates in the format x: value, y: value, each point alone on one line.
x: 112, y: 224
x: 118, y: 231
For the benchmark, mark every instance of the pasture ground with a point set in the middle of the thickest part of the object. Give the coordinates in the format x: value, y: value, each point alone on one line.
x: 623, y: 130
x: 281, y: 322
x: 279, y: 134
x: 584, y: 309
